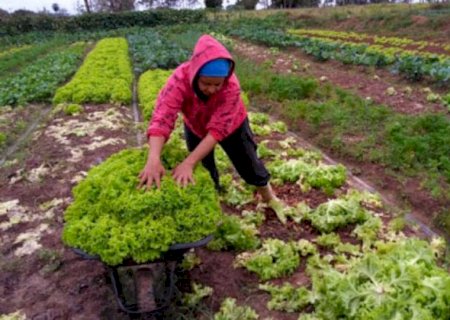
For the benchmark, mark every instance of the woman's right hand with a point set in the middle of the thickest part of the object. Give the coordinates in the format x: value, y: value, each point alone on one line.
x: 152, y: 173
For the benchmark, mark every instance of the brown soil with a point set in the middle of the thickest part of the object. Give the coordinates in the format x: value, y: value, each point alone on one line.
x: 360, y: 80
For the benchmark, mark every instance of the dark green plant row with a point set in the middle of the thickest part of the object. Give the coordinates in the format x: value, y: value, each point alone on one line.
x: 414, y: 68
x: 13, y: 24
x: 355, y: 127
x: 38, y: 81
x: 151, y: 50
x: 11, y: 62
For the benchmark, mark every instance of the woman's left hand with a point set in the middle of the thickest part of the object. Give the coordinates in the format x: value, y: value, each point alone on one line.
x: 183, y: 174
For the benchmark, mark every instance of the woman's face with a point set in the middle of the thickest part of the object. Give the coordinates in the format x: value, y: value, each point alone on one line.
x: 210, y: 85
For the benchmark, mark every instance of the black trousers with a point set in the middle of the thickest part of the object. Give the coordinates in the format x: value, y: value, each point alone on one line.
x: 241, y: 149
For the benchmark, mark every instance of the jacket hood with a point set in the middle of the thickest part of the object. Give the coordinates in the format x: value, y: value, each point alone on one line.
x: 206, y: 49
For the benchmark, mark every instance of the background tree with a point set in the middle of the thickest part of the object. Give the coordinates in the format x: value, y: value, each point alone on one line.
x: 295, y: 3
x: 113, y: 5
x: 167, y: 3
x: 87, y: 6
x: 55, y: 7
x: 247, y: 4
x: 213, y: 4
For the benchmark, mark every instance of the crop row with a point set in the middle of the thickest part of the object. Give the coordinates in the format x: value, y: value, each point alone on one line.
x: 380, y: 40
x: 15, y: 58
x: 412, y: 67
x: 39, y: 80
x: 390, y: 52
x: 105, y: 76
x: 149, y: 85
x: 150, y: 50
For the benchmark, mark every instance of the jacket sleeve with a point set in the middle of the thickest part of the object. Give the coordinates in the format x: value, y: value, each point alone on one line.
x: 168, y: 104
x: 230, y: 109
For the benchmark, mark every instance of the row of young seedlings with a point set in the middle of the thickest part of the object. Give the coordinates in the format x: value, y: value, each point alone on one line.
x: 380, y: 40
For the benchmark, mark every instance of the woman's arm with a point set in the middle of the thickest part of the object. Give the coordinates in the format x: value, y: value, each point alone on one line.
x: 153, y: 170
x: 183, y: 173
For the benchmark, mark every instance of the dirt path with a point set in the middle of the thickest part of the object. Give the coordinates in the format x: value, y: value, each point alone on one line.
x: 363, y: 81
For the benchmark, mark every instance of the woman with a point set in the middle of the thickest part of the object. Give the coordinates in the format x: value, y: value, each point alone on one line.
x: 207, y: 92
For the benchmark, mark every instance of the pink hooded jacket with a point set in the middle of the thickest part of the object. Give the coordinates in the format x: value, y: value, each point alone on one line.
x: 220, y: 115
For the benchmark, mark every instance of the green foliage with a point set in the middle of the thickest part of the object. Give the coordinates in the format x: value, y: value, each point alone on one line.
x: 237, y: 193
x: 336, y: 213
x: 105, y: 76
x: 398, y: 280
x: 446, y: 100
x: 72, y: 109
x: 190, y: 261
x: 235, y: 233
x: 3, y: 139
x: 357, y: 128
x: 112, y: 219
x: 199, y: 292
x: 368, y: 231
x: 230, y: 311
x: 308, y: 175
x: 419, y: 142
x: 413, y: 66
x: 328, y: 240
x: 12, y: 25
x: 38, y: 81
x: 258, y: 118
x: 275, y: 259
x: 149, y: 85
x: 16, y: 57
x: 264, y: 151
x: 305, y: 247
x: 151, y: 50
x: 283, y: 87
x: 397, y: 224
x: 287, y: 298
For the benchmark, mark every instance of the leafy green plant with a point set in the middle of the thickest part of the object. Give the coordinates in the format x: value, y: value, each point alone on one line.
x: 237, y: 193
x: 3, y: 139
x: 190, y: 261
x: 287, y: 298
x: 336, y: 213
x: 235, y: 233
x: 328, y: 240
x: 368, y: 289
x: 308, y: 175
x: 72, y: 109
x: 112, y: 219
x: 229, y: 310
x: 275, y: 259
x: 149, y: 85
x: 105, y: 76
x: 199, y: 292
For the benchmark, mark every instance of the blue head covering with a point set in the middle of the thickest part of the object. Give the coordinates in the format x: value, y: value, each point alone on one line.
x: 215, y: 68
